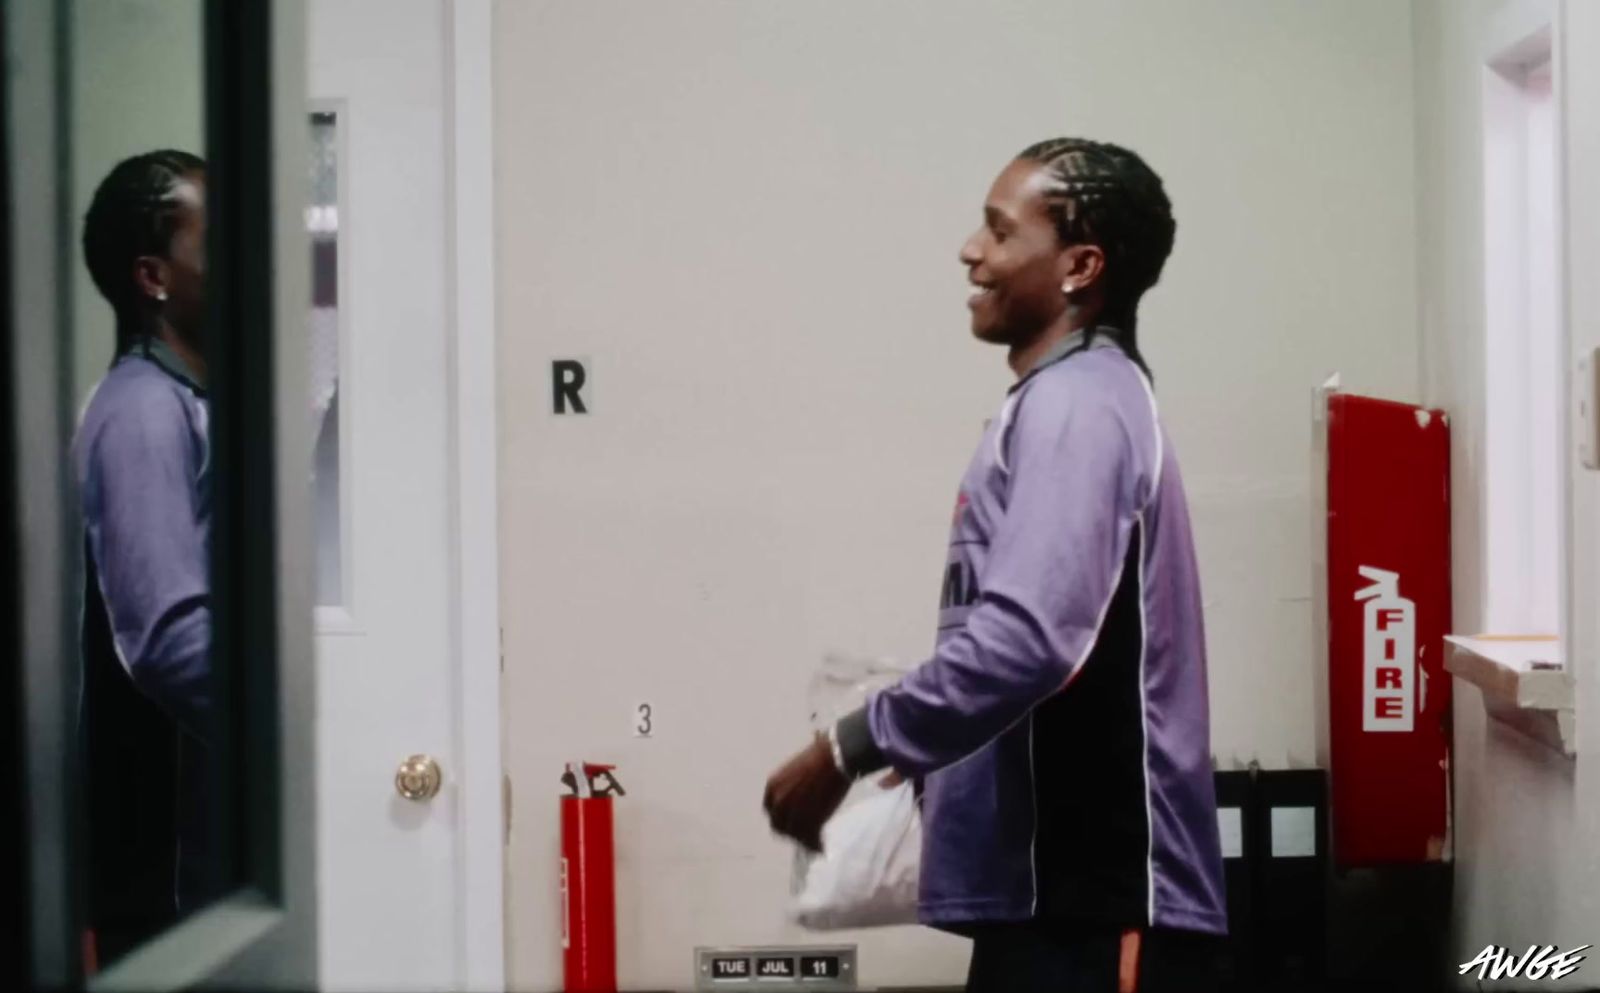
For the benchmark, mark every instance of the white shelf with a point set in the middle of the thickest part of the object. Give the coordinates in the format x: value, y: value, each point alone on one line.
x: 1524, y: 682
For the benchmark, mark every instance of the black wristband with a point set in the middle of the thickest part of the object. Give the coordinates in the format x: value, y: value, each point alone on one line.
x: 860, y: 754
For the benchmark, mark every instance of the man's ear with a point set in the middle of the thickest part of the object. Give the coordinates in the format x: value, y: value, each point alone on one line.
x: 151, y: 277
x: 1082, y: 266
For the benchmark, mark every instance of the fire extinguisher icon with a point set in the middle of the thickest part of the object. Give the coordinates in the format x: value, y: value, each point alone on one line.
x: 1389, y: 654
x: 588, y: 878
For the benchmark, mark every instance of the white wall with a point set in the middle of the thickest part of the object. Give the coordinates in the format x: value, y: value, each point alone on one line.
x: 138, y: 84
x: 1527, y: 869
x: 747, y: 216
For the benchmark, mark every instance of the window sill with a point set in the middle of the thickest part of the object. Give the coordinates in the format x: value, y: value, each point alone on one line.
x: 1524, y: 681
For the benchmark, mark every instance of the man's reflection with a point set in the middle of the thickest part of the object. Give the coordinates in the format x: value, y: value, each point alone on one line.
x: 142, y: 459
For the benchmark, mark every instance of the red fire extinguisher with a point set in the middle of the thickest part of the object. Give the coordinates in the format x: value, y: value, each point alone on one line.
x: 588, y: 878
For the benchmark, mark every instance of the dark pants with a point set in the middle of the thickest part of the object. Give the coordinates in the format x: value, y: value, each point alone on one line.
x: 1031, y: 958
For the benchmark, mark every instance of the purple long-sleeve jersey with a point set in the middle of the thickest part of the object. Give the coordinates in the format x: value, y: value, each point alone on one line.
x: 148, y: 708
x: 1061, y: 728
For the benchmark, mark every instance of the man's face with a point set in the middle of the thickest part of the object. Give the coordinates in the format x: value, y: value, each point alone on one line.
x: 1015, y: 261
x: 185, y: 308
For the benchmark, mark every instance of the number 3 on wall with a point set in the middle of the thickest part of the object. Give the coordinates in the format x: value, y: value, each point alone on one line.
x: 644, y: 721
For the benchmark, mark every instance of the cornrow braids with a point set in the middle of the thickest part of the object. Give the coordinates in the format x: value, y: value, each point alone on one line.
x: 134, y: 212
x: 1105, y: 195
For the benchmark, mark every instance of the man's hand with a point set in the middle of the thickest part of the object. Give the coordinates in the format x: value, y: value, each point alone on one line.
x: 804, y: 793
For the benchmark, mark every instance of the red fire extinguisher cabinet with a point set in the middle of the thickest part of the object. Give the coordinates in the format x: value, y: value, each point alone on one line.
x: 1384, y: 611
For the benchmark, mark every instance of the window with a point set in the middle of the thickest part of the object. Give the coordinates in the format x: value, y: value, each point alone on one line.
x: 1524, y: 340
x: 322, y: 223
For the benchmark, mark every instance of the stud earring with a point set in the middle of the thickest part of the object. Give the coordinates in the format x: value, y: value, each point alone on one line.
x: 161, y: 295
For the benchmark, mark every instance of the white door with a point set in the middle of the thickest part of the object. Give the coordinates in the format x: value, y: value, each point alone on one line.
x: 408, y: 899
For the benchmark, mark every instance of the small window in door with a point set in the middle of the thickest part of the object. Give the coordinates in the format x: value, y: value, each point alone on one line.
x: 322, y: 223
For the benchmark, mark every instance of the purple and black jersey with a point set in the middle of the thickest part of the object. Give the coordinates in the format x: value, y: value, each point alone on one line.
x: 147, y: 708
x: 1061, y: 728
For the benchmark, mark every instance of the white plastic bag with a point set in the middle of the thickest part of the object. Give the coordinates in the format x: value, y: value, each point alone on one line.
x: 871, y: 864
x: 868, y: 873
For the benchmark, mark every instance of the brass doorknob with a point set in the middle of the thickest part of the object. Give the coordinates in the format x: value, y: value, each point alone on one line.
x: 418, y: 778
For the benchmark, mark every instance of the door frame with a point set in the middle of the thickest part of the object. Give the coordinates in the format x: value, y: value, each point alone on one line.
x: 480, y: 836
x: 39, y: 422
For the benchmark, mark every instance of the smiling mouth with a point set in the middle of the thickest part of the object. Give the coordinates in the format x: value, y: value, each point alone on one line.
x: 980, y: 293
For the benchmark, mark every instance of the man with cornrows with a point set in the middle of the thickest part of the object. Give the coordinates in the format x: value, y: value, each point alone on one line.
x: 1060, y: 732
